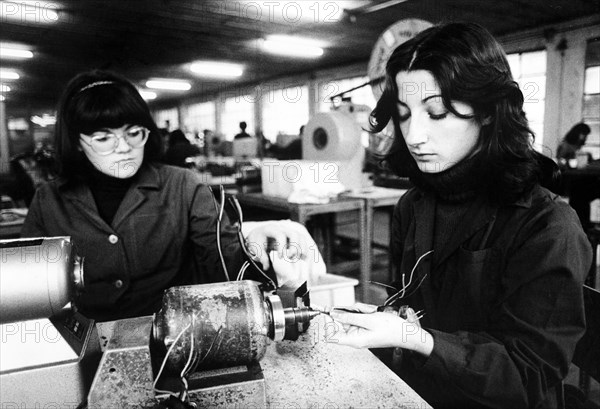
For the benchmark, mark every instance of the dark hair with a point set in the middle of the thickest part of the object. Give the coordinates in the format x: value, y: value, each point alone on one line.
x: 470, y: 66
x: 94, y: 100
x: 572, y: 136
x: 178, y: 137
x: 243, y: 125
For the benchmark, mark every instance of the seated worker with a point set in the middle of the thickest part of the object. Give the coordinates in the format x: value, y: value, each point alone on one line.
x: 572, y: 144
x: 581, y: 188
x: 492, y: 262
x: 140, y: 225
x: 180, y: 148
x: 243, y: 133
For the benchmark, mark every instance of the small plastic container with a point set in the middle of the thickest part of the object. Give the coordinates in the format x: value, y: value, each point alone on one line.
x: 331, y: 289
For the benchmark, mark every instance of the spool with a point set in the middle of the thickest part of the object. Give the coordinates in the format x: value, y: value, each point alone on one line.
x: 334, y: 139
x: 331, y: 136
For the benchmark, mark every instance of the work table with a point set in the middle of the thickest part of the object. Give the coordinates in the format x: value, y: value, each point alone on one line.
x: 312, y: 373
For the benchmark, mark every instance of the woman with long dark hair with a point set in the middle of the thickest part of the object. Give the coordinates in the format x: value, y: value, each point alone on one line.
x: 572, y: 143
x: 492, y: 261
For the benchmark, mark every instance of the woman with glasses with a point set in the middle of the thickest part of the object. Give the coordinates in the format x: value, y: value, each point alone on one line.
x: 488, y: 305
x: 141, y: 226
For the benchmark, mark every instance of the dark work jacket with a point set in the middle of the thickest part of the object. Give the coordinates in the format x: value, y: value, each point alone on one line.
x: 163, y: 234
x: 509, y: 310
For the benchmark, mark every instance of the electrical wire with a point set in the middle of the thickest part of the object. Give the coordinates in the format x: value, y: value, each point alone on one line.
x: 402, y: 292
x: 236, y: 205
x: 187, y: 364
x: 162, y: 366
x: 238, y: 209
x: 219, y: 211
x: 243, y: 271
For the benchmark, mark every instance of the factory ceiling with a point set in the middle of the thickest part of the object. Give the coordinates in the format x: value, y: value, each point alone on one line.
x: 160, y: 38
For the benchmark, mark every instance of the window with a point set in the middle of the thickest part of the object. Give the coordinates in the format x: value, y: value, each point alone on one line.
x: 361, y: 96
x: 235, y: 110
x: 167, y: 118
x: 529, y: 70
x: 284, y: 111
x: 198, y: 117
x: 591, y: 97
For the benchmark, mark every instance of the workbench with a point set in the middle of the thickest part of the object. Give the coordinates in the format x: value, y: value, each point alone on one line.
x: 312, y: 373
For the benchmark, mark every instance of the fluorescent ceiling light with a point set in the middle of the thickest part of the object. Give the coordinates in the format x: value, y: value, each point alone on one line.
x: 4, y: 88
x: 26, y: 11
x: 8, y: 74
x: 292, y: 46
x: 173, y: 85
x: 2, y: 98
x: 9, y: 52
x: 217, y: 69
x: 147, y: 95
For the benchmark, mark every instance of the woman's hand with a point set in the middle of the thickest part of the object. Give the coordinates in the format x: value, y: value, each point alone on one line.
x: 293, y: 252
x: 368, y: 328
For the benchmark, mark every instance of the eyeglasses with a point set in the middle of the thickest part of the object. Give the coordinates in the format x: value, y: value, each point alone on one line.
x: 105, y: 143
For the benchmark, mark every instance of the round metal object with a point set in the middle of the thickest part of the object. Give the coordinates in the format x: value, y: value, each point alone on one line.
x: 228, y: 323
x: 278, y: 315
x: 38, y: 277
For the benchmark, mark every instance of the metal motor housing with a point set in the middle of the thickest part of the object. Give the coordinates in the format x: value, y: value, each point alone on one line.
x: 228, y: 321
x: 222, y: 325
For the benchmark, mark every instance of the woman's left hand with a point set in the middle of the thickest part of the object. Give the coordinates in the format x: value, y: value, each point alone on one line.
x: 368, y: 328
x: 293, y: 252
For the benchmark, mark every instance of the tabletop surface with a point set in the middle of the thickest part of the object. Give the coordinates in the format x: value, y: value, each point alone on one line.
x: 312, y: 373
x: 377, y: 192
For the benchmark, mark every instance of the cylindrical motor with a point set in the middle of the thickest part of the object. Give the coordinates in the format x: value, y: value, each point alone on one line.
x: 220, y: 325
x: 38, y: 277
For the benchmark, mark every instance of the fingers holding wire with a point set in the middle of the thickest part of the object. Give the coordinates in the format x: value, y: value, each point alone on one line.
x: 262, y: 240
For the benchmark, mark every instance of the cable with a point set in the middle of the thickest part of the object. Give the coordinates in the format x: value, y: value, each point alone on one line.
x: 243, y: 270
x: 401, y: 293
x: 219, y: 218
x: 236, y: 205
x: 162, y: 366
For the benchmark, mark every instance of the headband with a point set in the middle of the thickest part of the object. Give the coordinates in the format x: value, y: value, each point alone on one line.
x: 95, y: 84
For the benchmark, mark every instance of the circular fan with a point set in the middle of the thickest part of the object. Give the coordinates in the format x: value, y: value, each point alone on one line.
x: 387, y: 42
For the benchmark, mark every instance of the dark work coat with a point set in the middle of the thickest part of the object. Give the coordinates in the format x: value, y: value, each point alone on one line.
x: 163, y: 234
x: 509, y: 310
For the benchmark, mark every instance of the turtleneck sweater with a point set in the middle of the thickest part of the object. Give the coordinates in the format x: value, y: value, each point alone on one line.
x: 108, y: 192
x: 455, y: 190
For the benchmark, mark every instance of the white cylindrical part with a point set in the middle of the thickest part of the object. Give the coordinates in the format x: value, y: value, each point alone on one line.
x: 331, y: 136
x: 38, y: 277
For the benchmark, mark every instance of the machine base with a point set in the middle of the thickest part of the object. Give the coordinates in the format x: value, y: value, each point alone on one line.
x: 57, y: 360
x: 242, y: 387
x: 125, y: 377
